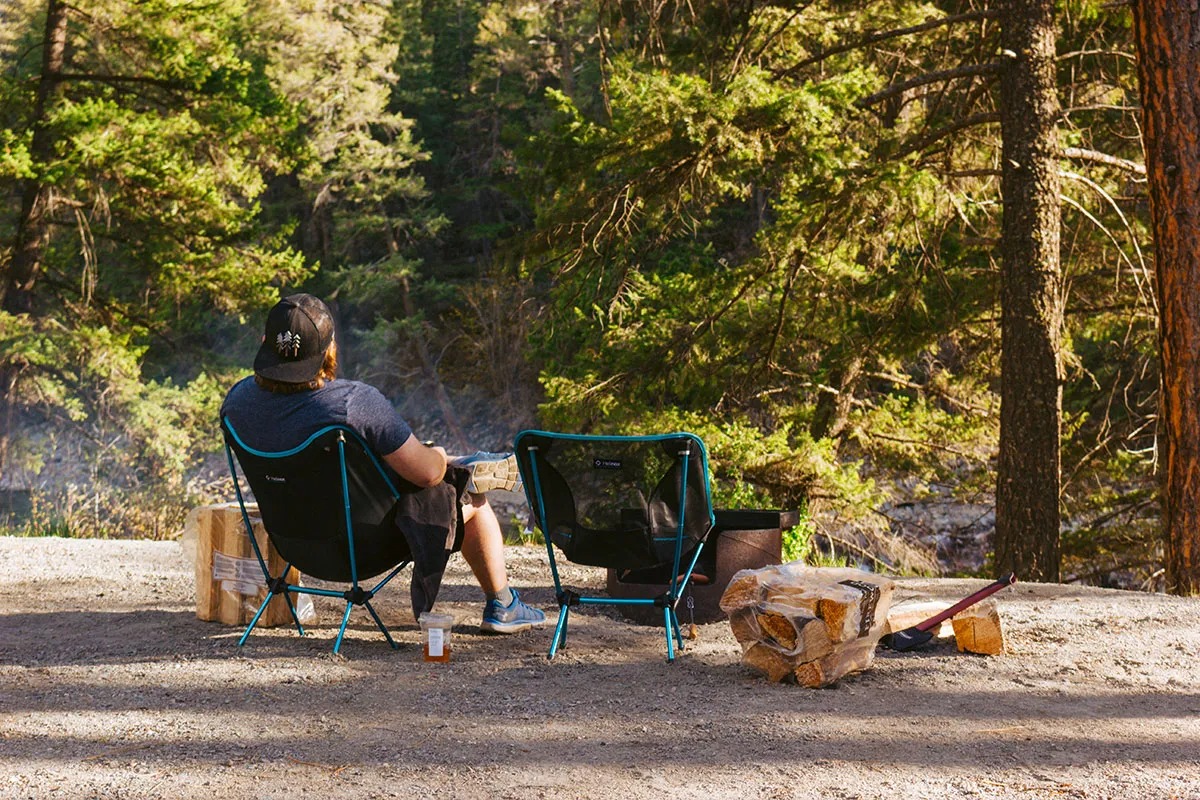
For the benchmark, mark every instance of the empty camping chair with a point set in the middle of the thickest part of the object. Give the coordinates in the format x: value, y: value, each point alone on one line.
x: 327, y: 506
x: 635, y: 504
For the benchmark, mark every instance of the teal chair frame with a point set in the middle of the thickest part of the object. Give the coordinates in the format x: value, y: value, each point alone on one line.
x: 693, y: 519
x: 353, y: 490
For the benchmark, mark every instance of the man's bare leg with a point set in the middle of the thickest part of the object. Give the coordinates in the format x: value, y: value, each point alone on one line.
x: 483, y: 546
x: 483, y: 549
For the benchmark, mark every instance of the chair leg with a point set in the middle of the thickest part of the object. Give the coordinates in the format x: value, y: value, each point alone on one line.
x: 254, y: 621
x: 670, y: 638
x: 337, y: 645
x: 675, y: 627
x: 560, y: 631
x: 292, y: 608
x: 380, y: 624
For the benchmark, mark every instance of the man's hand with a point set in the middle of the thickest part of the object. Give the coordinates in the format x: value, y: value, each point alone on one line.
x: 418, y: 463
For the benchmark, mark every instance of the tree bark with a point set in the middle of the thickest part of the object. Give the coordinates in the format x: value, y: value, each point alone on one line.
x: 562, y: 44
x: 1168, y: 46
x: 33, y: 230
x: 29, y: 244
x: 833, y: 408
x: 1031, y: 287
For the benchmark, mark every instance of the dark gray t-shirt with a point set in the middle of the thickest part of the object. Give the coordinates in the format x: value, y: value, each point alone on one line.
x: 274, y: 422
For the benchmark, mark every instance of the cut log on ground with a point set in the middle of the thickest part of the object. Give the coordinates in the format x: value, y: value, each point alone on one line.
x: 978, y: 629
x: 912, y: 613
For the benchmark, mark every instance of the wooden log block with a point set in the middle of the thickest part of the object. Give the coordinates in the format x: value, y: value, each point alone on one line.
x: 910, y: 613
x: 779, y: 628
x: 854, y: 608
x: 743, y: 591
x: 978, y: 629
x: 769, y: 660
x: 852, y: 657
x: 229, y: 582
x: 813, y: 641
x: 792, y: 600
x: 745, y: 626
x: 809, y: 674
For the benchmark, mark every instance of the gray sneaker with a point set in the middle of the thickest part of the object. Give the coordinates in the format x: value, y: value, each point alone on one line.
x: 513, y: 618
x: 490, y: 471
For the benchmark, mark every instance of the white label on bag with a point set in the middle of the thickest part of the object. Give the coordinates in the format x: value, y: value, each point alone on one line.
x: 237, y: 575
x: 436, y: 641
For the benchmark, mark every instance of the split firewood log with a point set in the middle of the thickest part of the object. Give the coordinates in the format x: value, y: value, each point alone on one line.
x: 768, y: 660
x: 907, y: 614
x: 812, y: 641
x: 779, y: 628
x: 743, y: 590
x: 790, y: 599
x: 745, y: 626
x: 978, y: 629
x: 849, y: 607
x: 809, y: 674
x: 852, y: 657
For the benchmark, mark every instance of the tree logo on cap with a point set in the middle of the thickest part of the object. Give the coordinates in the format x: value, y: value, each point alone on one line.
x: 287, y: 344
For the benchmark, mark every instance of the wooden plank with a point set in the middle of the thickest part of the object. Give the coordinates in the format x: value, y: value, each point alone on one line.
x: 206, y: 598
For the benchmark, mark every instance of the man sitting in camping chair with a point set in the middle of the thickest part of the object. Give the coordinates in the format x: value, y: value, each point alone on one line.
x: 294, y: 393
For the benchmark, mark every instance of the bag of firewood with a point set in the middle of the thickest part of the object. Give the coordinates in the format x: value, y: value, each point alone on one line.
x: 808, y: 625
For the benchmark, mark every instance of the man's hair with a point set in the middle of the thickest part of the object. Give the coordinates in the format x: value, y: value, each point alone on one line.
x: 327, y: 373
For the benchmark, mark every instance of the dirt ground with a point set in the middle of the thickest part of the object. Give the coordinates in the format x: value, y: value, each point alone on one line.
x: 111, y: 688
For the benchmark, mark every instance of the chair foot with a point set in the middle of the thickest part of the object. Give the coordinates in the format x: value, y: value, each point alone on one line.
x: 337, y: 644
x: 379, y: 624
x: 560, y: 631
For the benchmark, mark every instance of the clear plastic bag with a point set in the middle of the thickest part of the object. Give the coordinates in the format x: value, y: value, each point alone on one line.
x: 808, y: 625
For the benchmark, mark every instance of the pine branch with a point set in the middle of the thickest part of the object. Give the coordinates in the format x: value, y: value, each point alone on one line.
x: 974, y: 173
x: 882, y: 36
x: 1080, y: 53
x: 1095, y: 156
x: 990, y: 68
x: 920, y: 143
x: 85, y: 77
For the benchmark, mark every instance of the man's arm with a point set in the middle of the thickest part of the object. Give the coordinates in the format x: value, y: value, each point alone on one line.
x: 416, y: 463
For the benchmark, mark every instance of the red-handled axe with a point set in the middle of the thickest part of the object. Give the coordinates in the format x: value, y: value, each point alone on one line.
x: 921, y: 633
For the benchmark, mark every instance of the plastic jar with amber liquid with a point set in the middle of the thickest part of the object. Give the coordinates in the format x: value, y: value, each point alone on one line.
x: 435, y: 636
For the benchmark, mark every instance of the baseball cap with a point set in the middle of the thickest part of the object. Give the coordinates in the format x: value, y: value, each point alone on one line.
x: 299, y: 331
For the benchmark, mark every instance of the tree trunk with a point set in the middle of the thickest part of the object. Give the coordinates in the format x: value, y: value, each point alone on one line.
x: 562, y: 44
x: 1168, y: 46
x: 33, y: 230
x: 833, y: 407
x: 1027, y: 484
x: 29, y: 244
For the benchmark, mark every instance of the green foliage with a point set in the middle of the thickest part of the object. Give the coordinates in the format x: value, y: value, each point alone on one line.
x: 797, y: 542
x: 666, y: 216
x: 91, y: 375
x: 156, y: 176
x: 131, y: 443
x: 15, y: 161
x: 162, y: 136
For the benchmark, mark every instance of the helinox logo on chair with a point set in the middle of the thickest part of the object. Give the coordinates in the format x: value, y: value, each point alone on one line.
x: 606, y: 463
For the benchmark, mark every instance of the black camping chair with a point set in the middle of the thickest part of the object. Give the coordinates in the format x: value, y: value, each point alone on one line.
x: 327, y: 506
x: 636, y: 504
